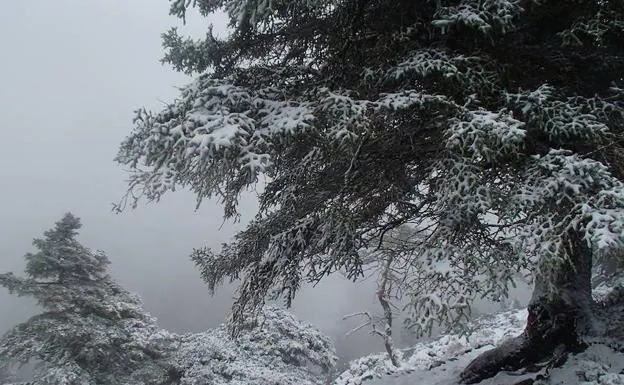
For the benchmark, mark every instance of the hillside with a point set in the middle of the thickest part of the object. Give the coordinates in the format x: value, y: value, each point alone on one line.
x: 440, y: 361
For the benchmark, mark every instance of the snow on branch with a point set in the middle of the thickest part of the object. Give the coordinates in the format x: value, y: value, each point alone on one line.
x: 471, y: 72
x: 485, y: 135
x: 487, y: 16
x: 593, y: 198
x: 575, y: 117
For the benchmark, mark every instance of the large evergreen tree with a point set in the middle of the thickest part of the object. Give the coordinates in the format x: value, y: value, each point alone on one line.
x: 91, y: 330
x: 493, y: 127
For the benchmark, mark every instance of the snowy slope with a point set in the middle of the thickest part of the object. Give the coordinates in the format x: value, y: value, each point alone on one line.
x: 439, y: 362
x: 447, y: 354
x: 598, y: 365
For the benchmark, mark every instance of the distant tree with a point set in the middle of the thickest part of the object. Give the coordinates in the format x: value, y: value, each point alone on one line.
x: 494, y: 126
x: 273, y: 348
x: 91, y: 330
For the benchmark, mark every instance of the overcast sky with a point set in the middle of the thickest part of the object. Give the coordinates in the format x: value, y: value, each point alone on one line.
x: 71, y: 74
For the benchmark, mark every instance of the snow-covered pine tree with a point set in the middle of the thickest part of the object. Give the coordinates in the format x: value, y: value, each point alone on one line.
x: 273, y: 349
x: 494, y: 126
x: 91, y: 330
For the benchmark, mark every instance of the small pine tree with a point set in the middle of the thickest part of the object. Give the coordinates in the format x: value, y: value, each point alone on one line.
x: 91, y: 330
x: 273, y: 348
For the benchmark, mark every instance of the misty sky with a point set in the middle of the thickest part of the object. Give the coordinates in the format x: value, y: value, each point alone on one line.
x: 71, y: 74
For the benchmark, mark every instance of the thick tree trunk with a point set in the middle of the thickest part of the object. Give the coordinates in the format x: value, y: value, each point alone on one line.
x: 559, y: 314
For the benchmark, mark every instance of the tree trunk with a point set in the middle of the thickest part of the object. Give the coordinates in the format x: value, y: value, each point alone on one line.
x: 559, y: 314
x: 382, y: 297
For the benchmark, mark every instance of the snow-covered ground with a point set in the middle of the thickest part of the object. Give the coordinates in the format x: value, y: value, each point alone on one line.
x: 440, y: 362
x: 598, y: 365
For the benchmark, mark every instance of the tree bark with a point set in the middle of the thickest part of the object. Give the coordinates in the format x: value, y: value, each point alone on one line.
x: 559, y: 315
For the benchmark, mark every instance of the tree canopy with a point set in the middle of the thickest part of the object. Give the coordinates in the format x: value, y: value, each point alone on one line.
x: 492, y: 127
x: 91, y: 330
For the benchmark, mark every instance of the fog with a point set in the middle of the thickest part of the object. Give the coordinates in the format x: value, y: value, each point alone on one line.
x: 71, y: 74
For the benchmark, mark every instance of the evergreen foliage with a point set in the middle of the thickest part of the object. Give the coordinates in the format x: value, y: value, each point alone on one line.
x: 492, y: 127
x: 90, y: 330
x: 274, y: 348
